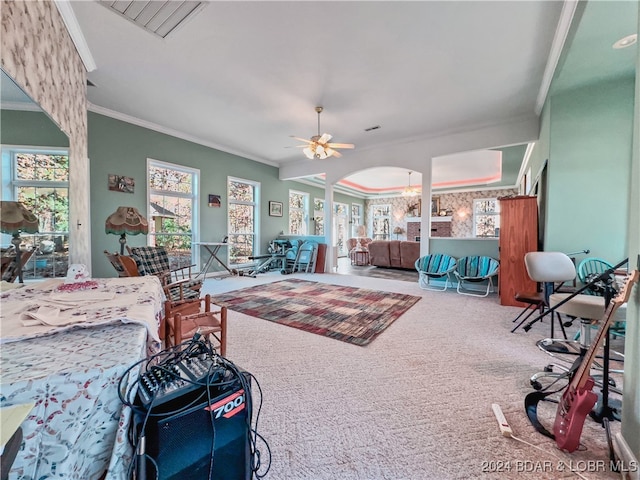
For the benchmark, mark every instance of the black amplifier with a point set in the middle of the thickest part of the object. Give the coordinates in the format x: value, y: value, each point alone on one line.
x: 196, y: 431
x: 162, y: 383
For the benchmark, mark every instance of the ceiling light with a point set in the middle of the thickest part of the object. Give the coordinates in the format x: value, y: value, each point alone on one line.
x: 410, y: 191
x: 626, y: 41
x: 319, y: 146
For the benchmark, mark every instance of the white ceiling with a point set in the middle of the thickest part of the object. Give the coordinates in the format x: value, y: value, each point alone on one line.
x: 244, y: 76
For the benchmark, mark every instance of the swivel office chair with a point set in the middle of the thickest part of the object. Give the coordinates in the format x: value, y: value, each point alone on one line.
x: 552, y: 270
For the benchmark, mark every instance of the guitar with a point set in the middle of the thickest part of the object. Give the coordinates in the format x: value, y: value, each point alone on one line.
x: 578, y: 399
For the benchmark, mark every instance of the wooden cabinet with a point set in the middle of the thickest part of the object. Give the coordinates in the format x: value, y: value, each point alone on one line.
x: 518, y: 235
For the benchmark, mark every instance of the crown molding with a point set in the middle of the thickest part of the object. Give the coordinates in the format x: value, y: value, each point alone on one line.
x: 174, y: 133
x: 73, y: 27
x: 559, y: 39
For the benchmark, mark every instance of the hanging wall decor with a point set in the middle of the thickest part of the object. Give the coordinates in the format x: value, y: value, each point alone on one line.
x: 120, y: 183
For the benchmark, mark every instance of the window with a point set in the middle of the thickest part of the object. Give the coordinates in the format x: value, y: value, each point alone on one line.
x: 318, y: 216
x: 356, y: 218
x: 172, y: 207
x: 486, y: 217
x: 39, y: 179
x: 298, y: 212
x: 340, y: 226
x: 243, y: 220
x: 381, y: 221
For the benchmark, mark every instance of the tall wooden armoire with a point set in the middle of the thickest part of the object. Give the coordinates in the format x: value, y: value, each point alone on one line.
x: 518, y: 235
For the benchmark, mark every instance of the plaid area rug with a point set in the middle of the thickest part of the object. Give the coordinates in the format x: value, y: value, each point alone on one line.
x: 353, y: 315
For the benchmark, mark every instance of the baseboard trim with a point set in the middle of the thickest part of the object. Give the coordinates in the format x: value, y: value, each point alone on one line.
x: 629, y: 467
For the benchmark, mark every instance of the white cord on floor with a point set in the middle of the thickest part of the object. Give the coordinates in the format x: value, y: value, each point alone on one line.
x: 505, y: 428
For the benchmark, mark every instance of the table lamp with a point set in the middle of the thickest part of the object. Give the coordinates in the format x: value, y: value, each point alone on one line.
x: 126, y: 220
x: 15, y: 219
x: 398, y: 231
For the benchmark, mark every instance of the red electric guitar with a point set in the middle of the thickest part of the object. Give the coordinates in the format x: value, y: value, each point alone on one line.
x: 578, y: 399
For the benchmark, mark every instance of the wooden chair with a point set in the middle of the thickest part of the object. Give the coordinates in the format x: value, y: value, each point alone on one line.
x: 125, y: 266
x: 9, y: 266
x: 181, y: 323
x: 177, y: 283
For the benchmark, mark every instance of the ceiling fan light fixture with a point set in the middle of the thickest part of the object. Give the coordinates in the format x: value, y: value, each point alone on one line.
x: 319, y: 146
x: 309, y: 153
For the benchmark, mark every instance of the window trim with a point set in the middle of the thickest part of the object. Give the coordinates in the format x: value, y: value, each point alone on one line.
x: 10, y: 185
x: 475, y: 215
x: 194, y: 196
x: 373, y: 217
x: 305, y: 211
x: 257, y: 206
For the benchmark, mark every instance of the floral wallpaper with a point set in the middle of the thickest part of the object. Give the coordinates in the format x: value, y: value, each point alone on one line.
x: 460, y: 205
x: 38, y: 53
x: 457, y: 205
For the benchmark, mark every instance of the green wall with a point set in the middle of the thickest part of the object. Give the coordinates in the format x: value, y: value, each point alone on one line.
x: 117, y: 147
x: 23, y: 128
x: 589, y: 165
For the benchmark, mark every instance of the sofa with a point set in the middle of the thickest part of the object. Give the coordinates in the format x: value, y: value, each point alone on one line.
x: 394, y: 253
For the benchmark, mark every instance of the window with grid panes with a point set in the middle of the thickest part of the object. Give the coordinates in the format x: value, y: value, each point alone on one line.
x: 243, y: 198
x: 40, y: 181
x: 173, y: 194
x: 318, y: 216
x: 298, y: 212
x: 381, y: 217
x: 486, y: 217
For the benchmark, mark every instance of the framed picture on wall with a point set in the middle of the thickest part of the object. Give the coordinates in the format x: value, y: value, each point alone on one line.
x: 275, y: 209
x: 120, y: 183
x: 214, y: 201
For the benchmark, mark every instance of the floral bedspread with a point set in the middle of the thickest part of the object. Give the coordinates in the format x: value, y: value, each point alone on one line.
x: 78, y: 426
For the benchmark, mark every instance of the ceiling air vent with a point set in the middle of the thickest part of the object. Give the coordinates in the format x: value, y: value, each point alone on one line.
x: 372, y: 128
x: 157, y: 17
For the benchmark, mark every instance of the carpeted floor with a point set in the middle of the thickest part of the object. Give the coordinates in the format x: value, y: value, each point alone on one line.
x: 414, y: 404
x: 349, y: 314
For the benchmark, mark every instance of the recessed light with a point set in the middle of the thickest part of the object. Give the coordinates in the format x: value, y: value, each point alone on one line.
x: 626, y: 41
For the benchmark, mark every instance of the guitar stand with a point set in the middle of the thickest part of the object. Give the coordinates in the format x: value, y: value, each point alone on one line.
x: 603, y: 408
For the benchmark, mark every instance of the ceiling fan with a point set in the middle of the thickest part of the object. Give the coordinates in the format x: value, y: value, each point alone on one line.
x: 319, y: 146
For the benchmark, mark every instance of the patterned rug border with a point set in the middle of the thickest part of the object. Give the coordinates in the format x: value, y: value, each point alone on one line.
x: 349, y: 314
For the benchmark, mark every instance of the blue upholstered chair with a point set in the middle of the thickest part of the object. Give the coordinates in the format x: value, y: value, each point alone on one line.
x: 476, y: 269
x: 435, y: 266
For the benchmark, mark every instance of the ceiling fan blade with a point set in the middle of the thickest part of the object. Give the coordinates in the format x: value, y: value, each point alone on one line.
x: 301, y: 139
x: 341, y: 145
x: 333, y: 153
x: 324, y: 138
